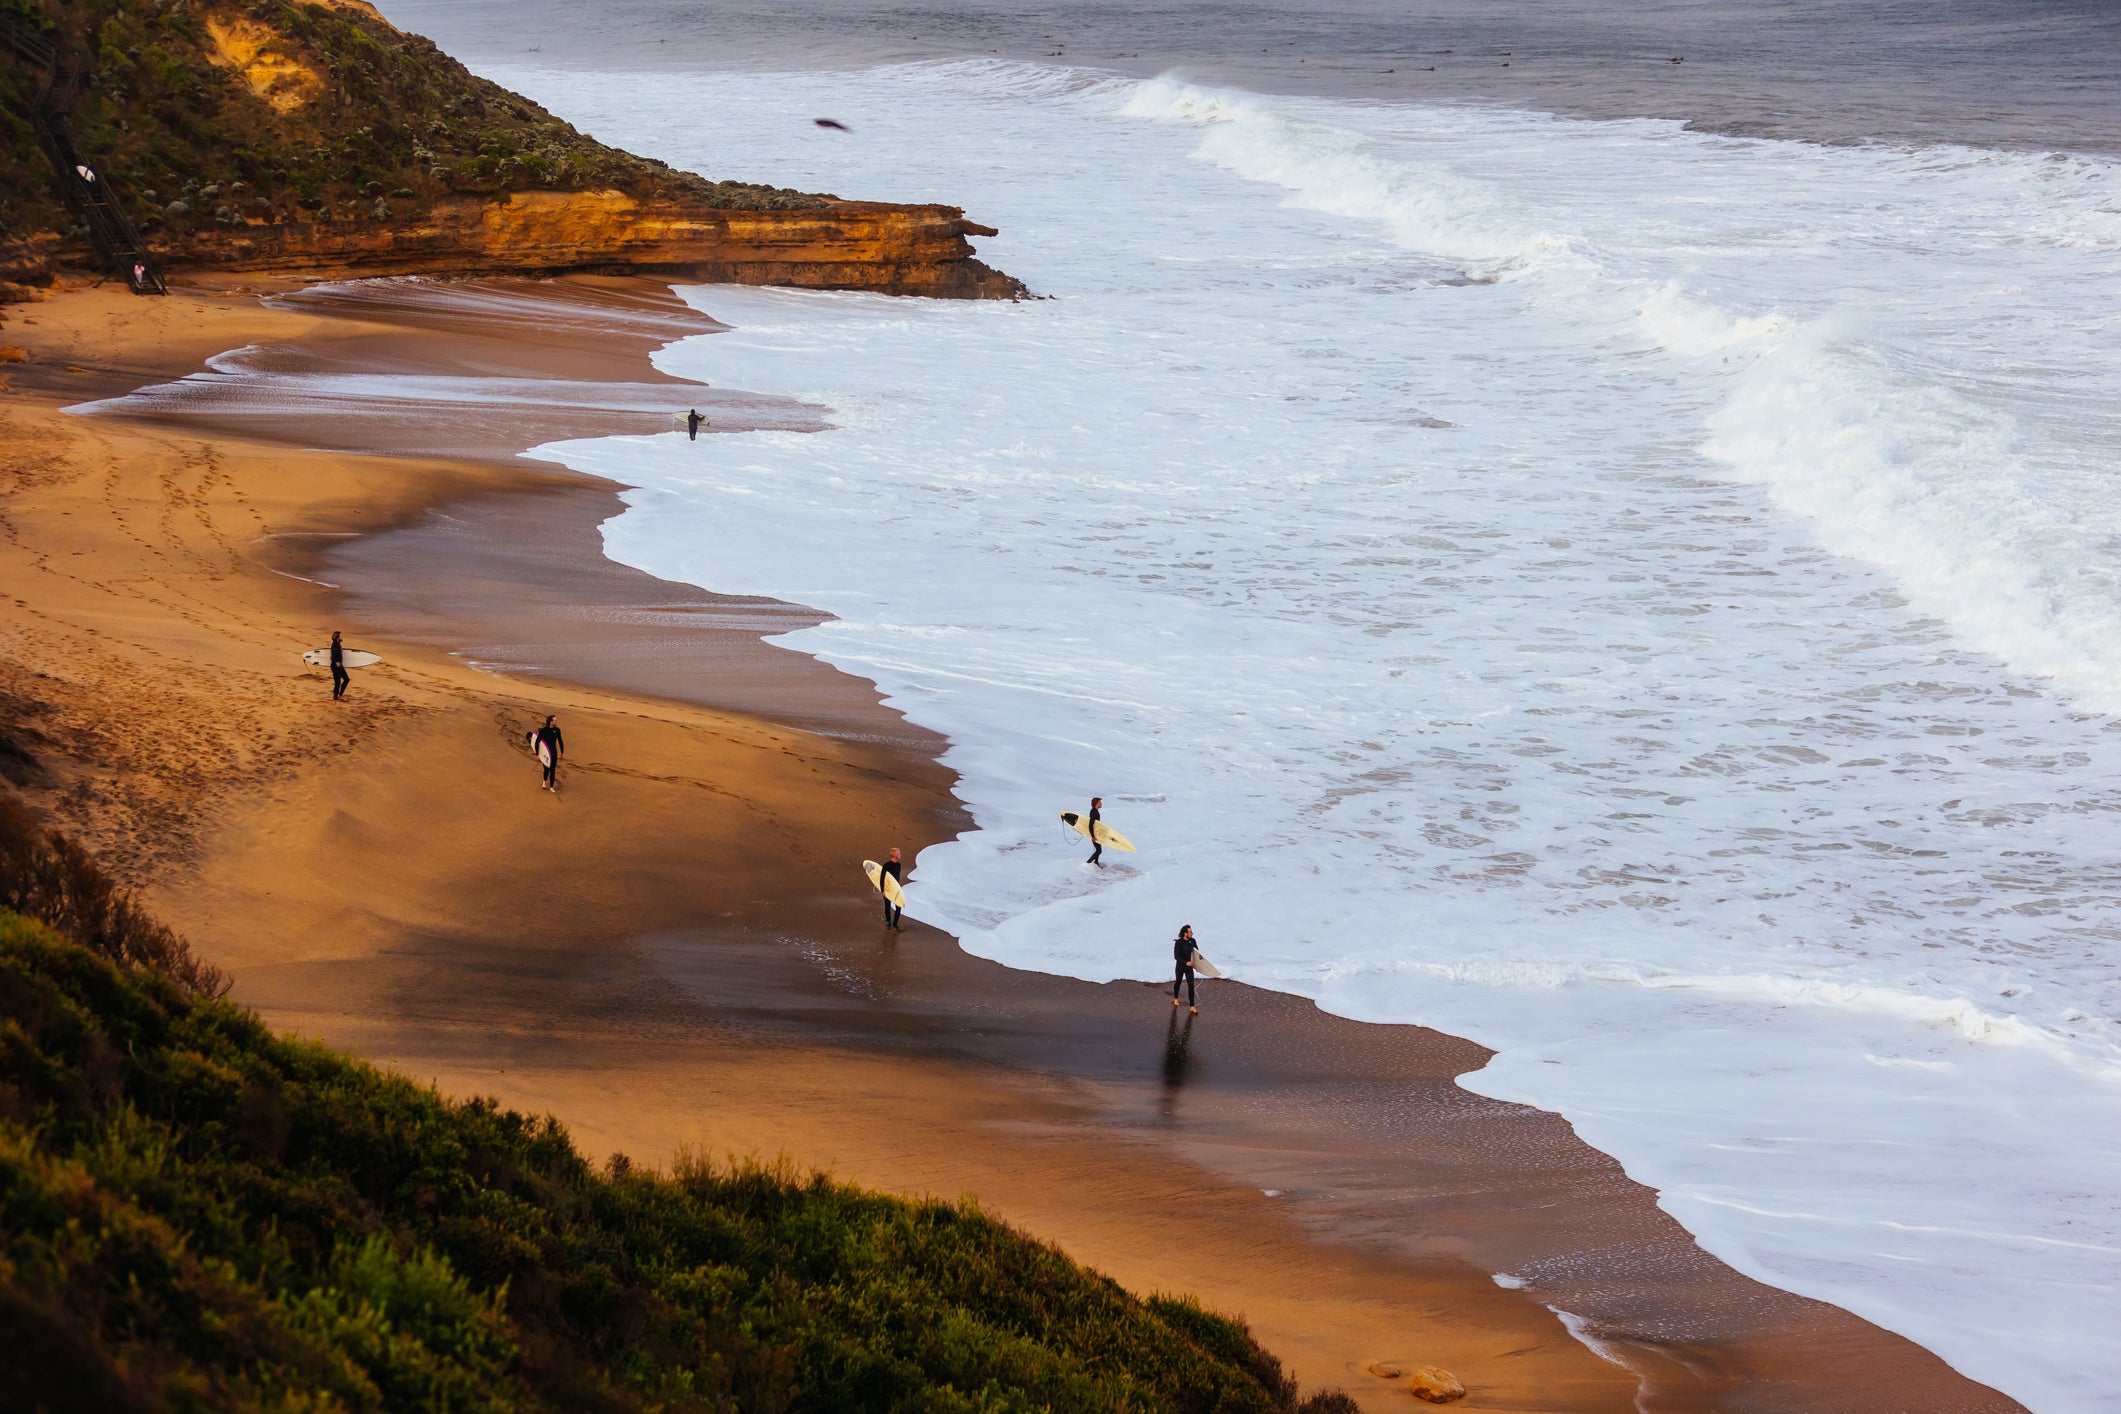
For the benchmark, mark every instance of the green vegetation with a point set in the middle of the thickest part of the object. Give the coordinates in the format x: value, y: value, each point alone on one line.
x: 196, y: 1214
x: 29, y: 202
x: 228, y: 112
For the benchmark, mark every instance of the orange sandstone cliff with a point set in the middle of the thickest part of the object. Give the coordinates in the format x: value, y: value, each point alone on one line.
x: 316, y: 137
x: 865, y: 245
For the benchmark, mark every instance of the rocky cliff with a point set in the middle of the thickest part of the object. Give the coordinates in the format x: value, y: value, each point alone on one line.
x: 317, y: 137
x: 913, y: 250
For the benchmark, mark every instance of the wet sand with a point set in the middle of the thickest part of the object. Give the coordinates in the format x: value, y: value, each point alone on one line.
x: 679, y: 950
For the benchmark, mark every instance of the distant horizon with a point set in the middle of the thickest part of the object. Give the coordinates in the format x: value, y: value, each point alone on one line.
x: 1979, y: 72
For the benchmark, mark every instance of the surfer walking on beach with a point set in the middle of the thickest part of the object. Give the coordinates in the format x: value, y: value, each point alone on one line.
x: 692, y: 425
x: 896, y: 869
x: 340, y: 678
x: 1097, y: 846
x: 1183, y: 951
x: 548, y: 746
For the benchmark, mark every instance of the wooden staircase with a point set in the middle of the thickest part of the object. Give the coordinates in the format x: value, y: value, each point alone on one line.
x: 88, y: 189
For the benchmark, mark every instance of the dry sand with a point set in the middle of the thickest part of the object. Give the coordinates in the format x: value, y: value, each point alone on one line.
x: 679, y: 948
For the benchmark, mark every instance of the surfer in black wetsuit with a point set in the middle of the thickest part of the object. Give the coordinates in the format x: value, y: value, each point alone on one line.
x: 339, y: 676
x: 894, y: 868
x: 1097, y: 846
x: 548, y: 736
x: 693, y: 423
x: 1183, y: 949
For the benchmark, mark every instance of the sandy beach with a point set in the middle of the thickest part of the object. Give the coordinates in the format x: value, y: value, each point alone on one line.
x: 679, y: 949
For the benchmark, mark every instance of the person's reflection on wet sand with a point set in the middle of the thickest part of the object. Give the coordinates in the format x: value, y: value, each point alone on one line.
x: 1177, y: 1037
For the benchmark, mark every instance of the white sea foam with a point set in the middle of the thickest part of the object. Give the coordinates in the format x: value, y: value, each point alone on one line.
x: 1604, y: 1349
x: 1639, y: 599
x: 246, y: 382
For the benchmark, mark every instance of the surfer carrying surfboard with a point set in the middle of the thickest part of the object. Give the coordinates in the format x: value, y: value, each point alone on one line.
x: 339, y: 676
x: 1093, y: 828
x: 692, y: 425
x: 547, y: 745
x: 1184, y: 949
x: 896, y: 868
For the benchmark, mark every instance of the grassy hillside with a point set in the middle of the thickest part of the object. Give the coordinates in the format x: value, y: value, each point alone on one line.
x: 195, y: 1214
x: 213, y: 112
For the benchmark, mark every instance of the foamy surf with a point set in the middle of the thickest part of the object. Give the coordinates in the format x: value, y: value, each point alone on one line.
x: 1637, y: 599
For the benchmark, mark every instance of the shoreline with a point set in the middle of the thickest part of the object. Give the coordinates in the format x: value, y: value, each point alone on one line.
x: 1064, y: 1104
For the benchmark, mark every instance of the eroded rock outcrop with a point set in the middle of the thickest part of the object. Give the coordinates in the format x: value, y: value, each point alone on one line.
x: 919, y: 250
x: 318, y: 138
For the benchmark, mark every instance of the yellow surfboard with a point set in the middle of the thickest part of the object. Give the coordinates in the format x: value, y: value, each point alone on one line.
x: 884, y: 883
x: 1106, y: 835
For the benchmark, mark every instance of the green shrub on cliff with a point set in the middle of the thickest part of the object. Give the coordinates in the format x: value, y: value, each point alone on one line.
x: 28, y: 201
x: 196, y: 1214
x: 226, y: 112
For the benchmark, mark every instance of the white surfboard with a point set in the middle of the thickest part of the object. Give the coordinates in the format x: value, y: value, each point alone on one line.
x: 884, y: 883
x: 683, y: 421
x: 1106, y: 835
x: 352, y: 657
x: 544, y: 749
x: 1204, y: 968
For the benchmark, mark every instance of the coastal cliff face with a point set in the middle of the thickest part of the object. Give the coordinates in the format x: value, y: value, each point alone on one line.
x: 318, y: 138
x: 920, y: 250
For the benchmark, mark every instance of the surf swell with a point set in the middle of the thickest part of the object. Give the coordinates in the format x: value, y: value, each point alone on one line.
x: 1611, y: 592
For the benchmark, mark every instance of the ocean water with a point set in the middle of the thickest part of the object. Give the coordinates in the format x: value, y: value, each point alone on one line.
x: 1643, y: 599
x: 2030, y: 74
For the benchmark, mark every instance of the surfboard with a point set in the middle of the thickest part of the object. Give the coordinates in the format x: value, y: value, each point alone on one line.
x: 683, y: 421
x: 1201, y: 966
x: 544, y: 750
x: 1105, y: 833
x: 884, y: 883
x: 352, y: 657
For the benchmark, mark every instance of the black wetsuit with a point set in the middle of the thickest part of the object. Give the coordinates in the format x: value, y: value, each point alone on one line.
x: 549, y: 736
x: 692, y: 425
x: 1097, y: 846
x: 895, y: 869
x: 339, y: 676
x: 1182, y: 950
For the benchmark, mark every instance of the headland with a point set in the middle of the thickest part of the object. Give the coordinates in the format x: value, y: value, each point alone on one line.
x: 319, y: 139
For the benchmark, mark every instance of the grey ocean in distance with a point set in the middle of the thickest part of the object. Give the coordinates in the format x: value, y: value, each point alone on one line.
x: 1989, y: 73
